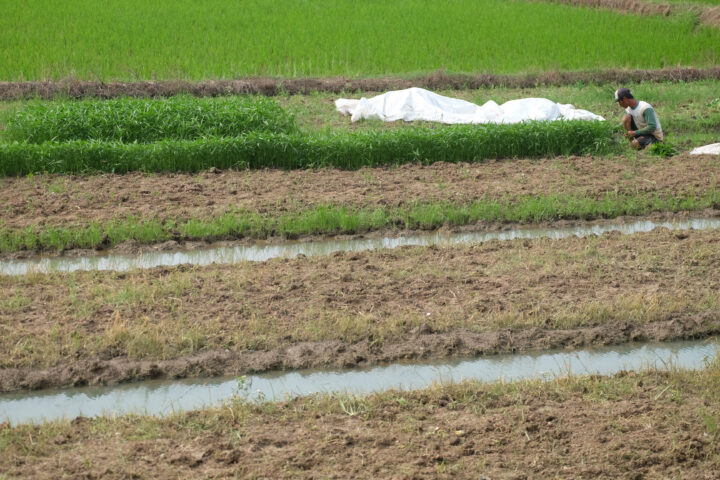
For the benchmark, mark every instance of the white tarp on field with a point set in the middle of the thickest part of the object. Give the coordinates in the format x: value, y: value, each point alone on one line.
x: 712, y: 149
x: 420, y: 104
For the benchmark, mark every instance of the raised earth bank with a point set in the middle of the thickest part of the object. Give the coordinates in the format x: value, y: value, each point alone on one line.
x: 438, y: 80
x: 357, y: 308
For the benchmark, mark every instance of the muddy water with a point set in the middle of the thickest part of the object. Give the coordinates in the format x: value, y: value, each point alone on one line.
x: 262, y: 252
x: 164, y: 397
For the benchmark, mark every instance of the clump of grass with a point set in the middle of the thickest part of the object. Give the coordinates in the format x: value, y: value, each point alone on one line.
x: 349, y: 150
x: 147, y: 120
x: 663, y: 149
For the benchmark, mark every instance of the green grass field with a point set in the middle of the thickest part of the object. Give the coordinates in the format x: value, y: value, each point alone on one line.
x: 184, y: 39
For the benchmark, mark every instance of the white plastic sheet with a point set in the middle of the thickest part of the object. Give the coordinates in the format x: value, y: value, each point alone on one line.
x: 712, y: 149
x: 419, y: 104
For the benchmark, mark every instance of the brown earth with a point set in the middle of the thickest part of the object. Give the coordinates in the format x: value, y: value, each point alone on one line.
x: 708, y: 15
x: 75, y: 200
x: 438, y: 80
x: 711, y: 16
x: 631, y: 426
x: 628, y: 6
x: 358, y: 308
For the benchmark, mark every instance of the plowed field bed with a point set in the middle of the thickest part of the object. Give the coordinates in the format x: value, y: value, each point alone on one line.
x: 74, y: 201
x: 357, y: 308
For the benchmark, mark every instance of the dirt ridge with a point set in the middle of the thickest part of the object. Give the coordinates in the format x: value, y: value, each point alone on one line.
x: 627, y: 6
x: 711, y: 16
x: 74, y: 88
x: 423, y: 344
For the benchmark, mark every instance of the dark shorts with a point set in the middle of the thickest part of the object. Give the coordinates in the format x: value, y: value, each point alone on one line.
x: 643, y: 140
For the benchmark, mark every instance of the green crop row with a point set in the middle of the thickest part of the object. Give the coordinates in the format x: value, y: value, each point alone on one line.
x: 347, y: 220
x: 347, y: 150
x: 192, y: 40
x: 147, y: 120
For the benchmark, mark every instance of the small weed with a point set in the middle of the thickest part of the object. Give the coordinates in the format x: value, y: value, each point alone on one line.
x: 711, y: 422
x: 15, y: 303
x: 57, y: 187
x: 353, y: 405
x: 242, y: 389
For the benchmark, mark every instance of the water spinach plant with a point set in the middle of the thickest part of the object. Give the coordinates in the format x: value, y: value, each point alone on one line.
x: 259, y: 149
x: 147, y: 120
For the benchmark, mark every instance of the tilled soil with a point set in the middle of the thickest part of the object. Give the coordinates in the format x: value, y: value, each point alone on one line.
x: 357, y: 308
x: 631, y: 426
x: 72, y: 201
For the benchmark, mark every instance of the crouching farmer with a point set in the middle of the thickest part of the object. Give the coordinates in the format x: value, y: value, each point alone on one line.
x: 641, y: 124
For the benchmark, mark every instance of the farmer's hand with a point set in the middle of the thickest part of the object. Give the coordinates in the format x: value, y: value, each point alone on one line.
x: 630, y: 134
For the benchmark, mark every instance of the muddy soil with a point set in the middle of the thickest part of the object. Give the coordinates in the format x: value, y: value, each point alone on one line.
x: 632, y: 426
x: 357, y: 308
x: 438, y: 80
x: 73, y: 201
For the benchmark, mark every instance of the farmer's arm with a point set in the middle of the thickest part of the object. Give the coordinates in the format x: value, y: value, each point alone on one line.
x: 650, y: 119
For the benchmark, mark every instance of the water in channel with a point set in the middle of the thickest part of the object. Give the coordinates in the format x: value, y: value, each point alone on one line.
x: 164, y: 397
x: 263, y: 252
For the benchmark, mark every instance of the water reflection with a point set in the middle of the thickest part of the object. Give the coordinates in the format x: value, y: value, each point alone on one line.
x: 163, y: 397
x: 263, y: 252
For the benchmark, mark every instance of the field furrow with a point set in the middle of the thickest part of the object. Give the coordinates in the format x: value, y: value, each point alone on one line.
x: 319, y: 307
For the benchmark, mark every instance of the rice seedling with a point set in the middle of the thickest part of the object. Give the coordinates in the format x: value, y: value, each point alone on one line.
x: 41, y: 39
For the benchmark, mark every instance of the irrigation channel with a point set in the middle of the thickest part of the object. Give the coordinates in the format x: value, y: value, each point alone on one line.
x: 162, y: 397
x: 265, y: 251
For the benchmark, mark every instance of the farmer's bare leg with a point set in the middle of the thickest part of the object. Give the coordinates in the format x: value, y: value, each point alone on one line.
x: 627, y: 122
x: 628, y: 125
